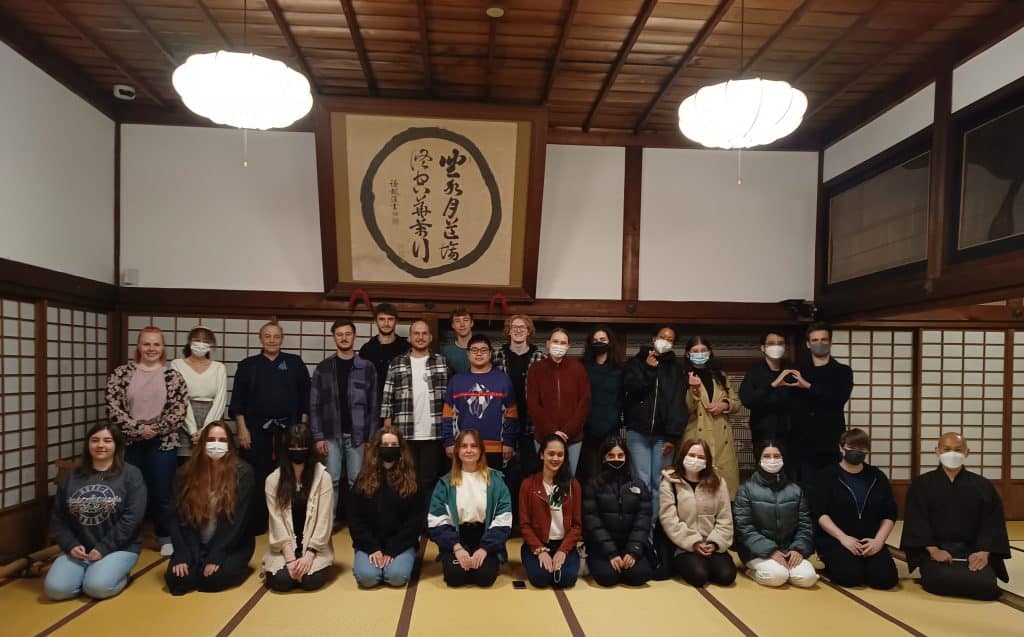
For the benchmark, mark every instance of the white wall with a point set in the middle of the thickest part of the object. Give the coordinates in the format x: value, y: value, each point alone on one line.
x: 581, y: 224
x: 56, y: 174
x: 193, y: 217
x: 989, y: 71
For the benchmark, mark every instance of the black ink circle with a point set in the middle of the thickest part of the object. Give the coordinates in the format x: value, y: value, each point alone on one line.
x: 367, y: 198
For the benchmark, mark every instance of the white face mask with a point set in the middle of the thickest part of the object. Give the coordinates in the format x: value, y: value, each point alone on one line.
x: 771, y: 465
x: 952, y: 459
x: 558, y: 351
x: 661, y: 346
x: 694, y: 464
x: 199, y: 348
x: 775, y: 351
x: 216, y: 450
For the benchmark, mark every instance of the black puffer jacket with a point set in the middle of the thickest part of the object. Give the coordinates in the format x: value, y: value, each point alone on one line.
x: 655, y: 397
x: 616, y: 518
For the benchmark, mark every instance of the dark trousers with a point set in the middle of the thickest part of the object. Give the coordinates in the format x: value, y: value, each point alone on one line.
x: 697, y: 570
x: 261, y: 457
x: 956, y: 580
x: 525, y: 463
x: 158, y: 468
x: 846, y: 569
x: 431, y: 463
x: 590, y: 460
x: 603, y: 573
x: 454, y: 575
x: 564, y: 577
x: 231, y: 573
x: 282, y: 582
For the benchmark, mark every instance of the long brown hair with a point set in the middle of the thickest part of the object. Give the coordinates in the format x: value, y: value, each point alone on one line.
x: 708, y: 477
x: 202, y: 477
x: 401, y: 476
x: 298, y: 436
x: 84, y: 467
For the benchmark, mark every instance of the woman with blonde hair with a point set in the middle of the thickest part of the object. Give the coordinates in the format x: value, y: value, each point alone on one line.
x: 385, y: 514
x: 470, y: 516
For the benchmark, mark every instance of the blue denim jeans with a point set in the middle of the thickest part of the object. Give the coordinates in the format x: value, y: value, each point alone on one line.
x: 341, y: 454
x: 565, y: 577
x: 104, y: 578
x: 573, y: 449
x: 158, y: 469
x: 645, y: 452
x: 396, y: 573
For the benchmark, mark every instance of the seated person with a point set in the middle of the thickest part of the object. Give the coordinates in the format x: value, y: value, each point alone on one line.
x: 853, y: 506
x: 470, y: 516
x: 954, y: 529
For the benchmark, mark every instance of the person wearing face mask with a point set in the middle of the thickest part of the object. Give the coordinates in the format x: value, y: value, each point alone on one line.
x: 954, y: 528
x: 207, y: 382
x: 558, y: 394
x: 695, y: 512
x: 300, y: 501
x: 617, y: 520
x: 821, y: 389
x: 766, y: 393
x: 772, y: 518
x: 213, y: 498
x: 148, y: 400
x: 654, y: 407
x: 385, y: 512
x: 854, y: 509
x: 550, y: 509
x: 709, y: 402
x: 605, y: 416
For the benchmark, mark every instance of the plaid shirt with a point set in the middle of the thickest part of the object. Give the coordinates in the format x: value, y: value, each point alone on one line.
x: 397, y: 401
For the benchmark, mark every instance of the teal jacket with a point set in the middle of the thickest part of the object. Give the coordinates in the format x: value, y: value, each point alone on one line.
x: 443, y: 516
x: 768, y: 520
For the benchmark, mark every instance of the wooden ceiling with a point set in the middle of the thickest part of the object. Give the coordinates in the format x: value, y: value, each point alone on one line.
x: 598, y: 65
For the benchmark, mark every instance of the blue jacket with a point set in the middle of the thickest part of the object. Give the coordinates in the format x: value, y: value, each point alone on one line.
x: 325, y: 404
x: 443, y: 516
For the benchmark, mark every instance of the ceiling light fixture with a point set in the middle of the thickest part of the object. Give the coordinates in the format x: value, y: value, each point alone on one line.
x: 494, y: 12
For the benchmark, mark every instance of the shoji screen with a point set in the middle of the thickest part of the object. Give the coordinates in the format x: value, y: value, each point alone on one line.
x: 17, y: 369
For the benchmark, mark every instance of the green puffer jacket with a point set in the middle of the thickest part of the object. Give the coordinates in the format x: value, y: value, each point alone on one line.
x: 768, y: 520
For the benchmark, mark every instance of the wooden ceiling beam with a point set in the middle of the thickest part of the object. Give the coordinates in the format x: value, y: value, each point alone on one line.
x: 563, y: 37
x: 83, y: 32
x: 428, y: 73
x: 228, y: 44
x: 702, y: 36
x: 620, y: 61
x: 293, y: 45
x: 150, y: 33
x: 856, y: 26
x: 492, y: 39
x: 357, y: 41
x: 781, y: 31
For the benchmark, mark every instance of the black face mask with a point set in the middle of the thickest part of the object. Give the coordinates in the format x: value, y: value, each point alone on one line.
x: 298, y: 456
x: 615, y: 465
x: 390, y: 454
x: 599, y: 347
x: 854, y: 456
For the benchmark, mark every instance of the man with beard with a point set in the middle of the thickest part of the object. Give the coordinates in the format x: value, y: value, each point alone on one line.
x: 385, y: 346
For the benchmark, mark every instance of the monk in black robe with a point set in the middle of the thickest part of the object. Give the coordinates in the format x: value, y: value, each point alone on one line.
x: 954, y: 529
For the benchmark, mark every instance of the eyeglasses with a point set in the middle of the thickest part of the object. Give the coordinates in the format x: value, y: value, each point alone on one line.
x: 479, y: 350
x: 518, y: 328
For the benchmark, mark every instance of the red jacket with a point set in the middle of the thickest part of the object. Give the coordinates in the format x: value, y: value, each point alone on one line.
x: 558, y: 397
x: 535, y: 513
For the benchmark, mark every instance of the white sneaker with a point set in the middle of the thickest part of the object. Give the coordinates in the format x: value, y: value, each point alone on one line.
x: 167, y: 550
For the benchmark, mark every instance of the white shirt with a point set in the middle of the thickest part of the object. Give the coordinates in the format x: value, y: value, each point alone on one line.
x: 471, y: 498
x: 210, y: 386
x: 423, y: 426
x: 557, y: 530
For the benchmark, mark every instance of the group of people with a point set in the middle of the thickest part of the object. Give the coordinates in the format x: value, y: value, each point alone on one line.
x: 633, y: 462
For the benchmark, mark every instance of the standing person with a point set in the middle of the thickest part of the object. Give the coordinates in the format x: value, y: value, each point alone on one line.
x: 270, y: 393
x: 551, y: 510
x: 515, y: 358
x: 855, y: 512
x: 414, y: 403
x: 655, y: 406
x: 617, y: 520
x: 709, y: 403
x: 774, y: 532
x: 300, y: 500
x: 386, y: 512
x: 955, y: 529
x: 697, y: 516
x: 343, y: 406
x: 385, y: 346
x: 97, y: 520
x: 767, y: 393
x: 457, y: 353
x: 470, y: 516
x: 605, y: 418
x: 147, y: 401
x: 207, y: 382
x: 821, y: 390
x: 213, y: 495
x: 482, y: 399
x: 558, y: 392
